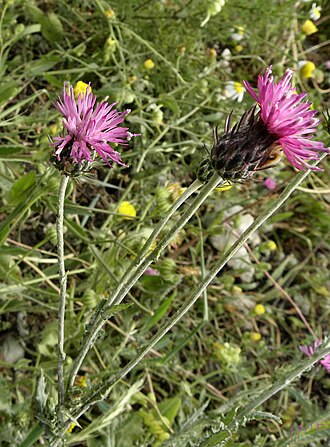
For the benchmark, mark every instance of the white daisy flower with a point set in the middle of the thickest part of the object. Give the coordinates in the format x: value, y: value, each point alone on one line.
x: 234, y: 91
x: 315, y: 12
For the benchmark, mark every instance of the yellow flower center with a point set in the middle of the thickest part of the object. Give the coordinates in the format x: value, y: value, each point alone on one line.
x: 238, y: 87
x: 309, y: 28
x: 316, y: 13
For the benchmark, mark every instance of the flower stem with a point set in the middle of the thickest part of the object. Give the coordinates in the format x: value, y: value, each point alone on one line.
x: 107, y: 384
x: 282, y: 383
x: 62, y: 295
x: 138, y: 267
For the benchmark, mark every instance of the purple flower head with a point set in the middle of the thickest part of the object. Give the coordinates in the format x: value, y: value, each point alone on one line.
x: 289, y: 120
x: 89, y: 128
x: 151, y: 272
x: 309, y: 350
x: 270, y: 183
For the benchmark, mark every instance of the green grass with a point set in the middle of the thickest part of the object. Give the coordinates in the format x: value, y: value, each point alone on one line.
x: 193, y: 377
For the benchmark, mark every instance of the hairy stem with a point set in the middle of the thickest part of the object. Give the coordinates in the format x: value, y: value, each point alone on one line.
x: 282, y: 383
x: 62, y: 295
x: 139, y: 266
x: 107, y: 384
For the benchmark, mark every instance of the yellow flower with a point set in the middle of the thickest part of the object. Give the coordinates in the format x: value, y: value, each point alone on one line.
x: 270, y: 245
x: 149, y: 64
x: 255, y: 336
x: 81, y: 88
x: 259, y: 309
x: 72, y: 426
x: 308, y: 28
x: 53, y: 129
x: 110, y: 13
x: 212, y: 53
x: 239, y: 48
x: 111, y: 44
x: 81, y: 381
x: 307, y: 69
x: 127, y: 209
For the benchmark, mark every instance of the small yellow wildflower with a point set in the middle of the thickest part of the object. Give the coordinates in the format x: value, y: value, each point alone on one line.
x: 72, y: 426
x: 110, y: 13
x: 127, y: 209
x: 182, y: 49
x: 307, y: 69
x: 259, y: 309
x: 241, y: 30
x: 239, y: 48
x: 111, y: 44
x: 308, y: 28
x: 255, y: 336
x: 81, y: 88
x: 81, y: 381
x: 212, y: 53
x: 149, y: 64
x: 270, y: 245
x: 53, y: 129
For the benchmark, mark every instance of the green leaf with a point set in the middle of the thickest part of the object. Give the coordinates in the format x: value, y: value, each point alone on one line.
x: 20, y: 189
x: 51, y: 28
x: 217, y: 440
x: 158, y: 315
x: 7, y: 91
x: 33, y: 436
x: 170, y: 407
x: 9, y: 149
x: 42, y: 65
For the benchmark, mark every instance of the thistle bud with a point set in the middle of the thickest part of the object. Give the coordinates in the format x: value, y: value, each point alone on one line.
x: 243, y: 149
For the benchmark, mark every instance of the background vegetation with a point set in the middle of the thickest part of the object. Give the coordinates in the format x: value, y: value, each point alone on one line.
x: 244, y: 334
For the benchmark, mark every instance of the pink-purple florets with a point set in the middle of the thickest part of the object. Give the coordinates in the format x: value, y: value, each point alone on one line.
x: 289, y: 119
x: 89, y: 128
x: 309, y: 350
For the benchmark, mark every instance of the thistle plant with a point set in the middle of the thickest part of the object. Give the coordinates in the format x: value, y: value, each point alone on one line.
x: 279, y: 122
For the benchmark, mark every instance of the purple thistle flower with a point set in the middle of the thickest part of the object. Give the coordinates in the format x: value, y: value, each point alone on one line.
x: 309, y: 350
x: 287, y: 119
x: 89, y: 128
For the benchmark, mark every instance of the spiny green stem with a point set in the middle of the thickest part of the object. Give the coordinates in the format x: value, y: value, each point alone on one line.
x: 62, y: 296
x: 285, y: 381
x: 271, y: 209
x: 90, y: 337
x: 140, y: 265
